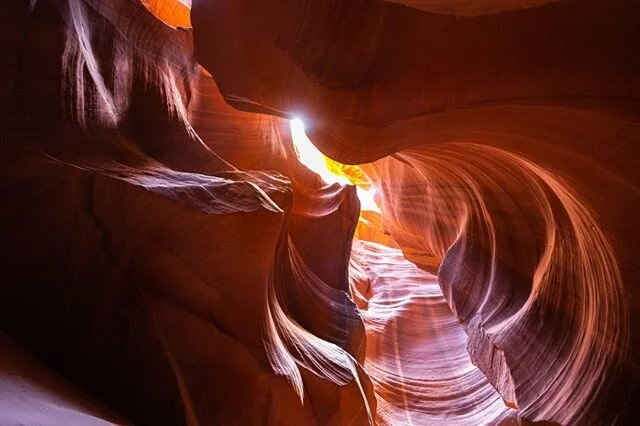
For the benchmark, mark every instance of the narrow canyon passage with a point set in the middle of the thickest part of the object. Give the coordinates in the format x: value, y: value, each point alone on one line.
x: 416, y: 350
x: 319, y: 212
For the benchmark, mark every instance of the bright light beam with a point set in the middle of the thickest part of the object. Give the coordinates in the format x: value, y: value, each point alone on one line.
x: 315, y: 161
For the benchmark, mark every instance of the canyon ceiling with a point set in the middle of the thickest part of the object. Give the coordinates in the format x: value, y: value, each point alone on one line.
x: 461, y: 248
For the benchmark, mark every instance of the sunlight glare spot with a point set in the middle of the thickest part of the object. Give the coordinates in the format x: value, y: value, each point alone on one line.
x: 315, y: 161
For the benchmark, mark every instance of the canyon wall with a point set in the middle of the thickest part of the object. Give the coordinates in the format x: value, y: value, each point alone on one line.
x: 166, y: 253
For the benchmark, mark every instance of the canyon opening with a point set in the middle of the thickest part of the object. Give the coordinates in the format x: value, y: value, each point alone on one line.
x: 309, y: 213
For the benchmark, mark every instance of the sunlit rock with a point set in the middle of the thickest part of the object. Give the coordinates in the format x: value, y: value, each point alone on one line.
x: 319, y: 213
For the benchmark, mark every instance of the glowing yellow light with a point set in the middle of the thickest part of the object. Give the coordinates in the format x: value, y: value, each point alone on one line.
x: 175, y: 13
x: 331, y: 171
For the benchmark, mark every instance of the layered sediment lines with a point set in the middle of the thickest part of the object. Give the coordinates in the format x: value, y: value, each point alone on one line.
x: 147, y: 269
x: 507, y: 233
x: 416, y: 349
x: 506, y: 159
x: 164, y: 251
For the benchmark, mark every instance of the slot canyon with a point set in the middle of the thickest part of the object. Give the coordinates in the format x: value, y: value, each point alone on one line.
x: 320, y: 212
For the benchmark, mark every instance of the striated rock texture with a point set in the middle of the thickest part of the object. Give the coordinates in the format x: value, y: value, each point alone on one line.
x: 144, y: 267
x: 166, y: 257
x: 416, y: 350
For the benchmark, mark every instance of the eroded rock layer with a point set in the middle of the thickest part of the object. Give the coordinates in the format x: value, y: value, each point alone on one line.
x: 165, y: 252
x: 416, y: 349
x: 139, y: 289
x: 503, y: 286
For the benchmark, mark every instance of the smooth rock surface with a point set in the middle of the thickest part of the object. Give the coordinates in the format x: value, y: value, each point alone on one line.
x: 165, y: 252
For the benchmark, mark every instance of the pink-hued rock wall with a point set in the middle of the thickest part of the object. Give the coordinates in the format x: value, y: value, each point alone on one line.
x: 167, y: 258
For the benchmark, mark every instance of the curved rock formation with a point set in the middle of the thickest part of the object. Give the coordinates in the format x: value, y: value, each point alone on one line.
x: 165, y: 251
x: 504, y: 286
x: 416, y: 350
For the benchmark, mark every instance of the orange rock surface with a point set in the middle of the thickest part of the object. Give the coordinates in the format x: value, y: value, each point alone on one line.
x: 461, y: 250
